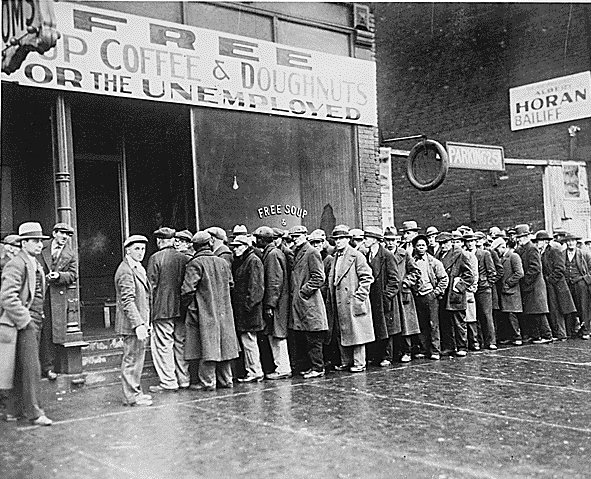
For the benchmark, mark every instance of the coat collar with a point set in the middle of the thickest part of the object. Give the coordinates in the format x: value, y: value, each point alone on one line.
x: 344, y: 265
x: 143, y: 280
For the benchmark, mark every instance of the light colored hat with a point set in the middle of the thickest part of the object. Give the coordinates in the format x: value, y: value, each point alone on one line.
x: 31, y: 230
x: 373, y: 232
x: 456, y: 235
x: 164, y: 233
x: 317, y: 235
x: 184, y: 235
x: 278, y: 233
x: 444, y: 237
x: 298, y: 230
x: 432, y: 230
x: 240, y: 240
x: 409, y: 226
x: 135, y: 239
x: 568, y: 237
x: 522, y: 230
x: 12, y: 240
x: 341, y: 231
x: 201, y: 238
x: 217, y: 232
x: 390, y: 232
x: 66, y: 228
x: 239, y: 230
x: 497, y: 242
x: 494, y: 231
x: 356, y: 233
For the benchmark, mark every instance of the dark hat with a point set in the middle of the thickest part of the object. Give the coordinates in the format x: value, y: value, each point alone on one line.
x: 559, y: 231
x: 240, y: 240
x: 278, y: 233
x: 409, y: 226
x: 522, y: 230
x: 66, y: 228
x: 373, y: 232
x: 317, y: 236
x: 217, y: 232
x: 569, y: 236
x: 356, y: 233
x: 419, y: 237
x: 31, y: 230
x: 201, y: 238
x: 164, y: 233
x: 443, y: 237
x: 12, y: 240
x: 264, y: 232
x: 542, y: 235
x: 134, y: 239
x: 184, y: 235
x: 432, y: 230
x: 298, y: 230
x: 341, y: 231
x: 390, y: 232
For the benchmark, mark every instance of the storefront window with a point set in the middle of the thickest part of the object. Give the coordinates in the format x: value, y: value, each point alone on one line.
x: 312, y: 38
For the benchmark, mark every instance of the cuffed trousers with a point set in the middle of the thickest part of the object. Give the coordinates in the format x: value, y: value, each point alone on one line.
x: 132, y: 364
x: 168, y: 352
x: 212, y: 373
x: 252, y: 355
x: 280, y: 354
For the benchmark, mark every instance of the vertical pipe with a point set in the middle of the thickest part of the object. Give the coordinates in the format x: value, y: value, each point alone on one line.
x: 195, y: 168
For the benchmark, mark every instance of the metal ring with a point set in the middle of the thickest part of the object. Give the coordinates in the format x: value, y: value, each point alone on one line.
x: 412, y: 156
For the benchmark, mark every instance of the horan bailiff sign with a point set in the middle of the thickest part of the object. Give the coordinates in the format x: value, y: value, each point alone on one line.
x: 475, y: 157
x: 552, y: 101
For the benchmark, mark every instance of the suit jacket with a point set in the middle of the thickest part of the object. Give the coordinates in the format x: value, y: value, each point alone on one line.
x: 133, y: 299
x: 553, y: 268
x: 533, y: 286
x: 166, y: 271
x: 457, y: 267
x: 583, y: 261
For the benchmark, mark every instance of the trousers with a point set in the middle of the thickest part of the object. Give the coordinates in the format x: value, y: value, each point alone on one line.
x: 132, y: 364
x: 168, y: 352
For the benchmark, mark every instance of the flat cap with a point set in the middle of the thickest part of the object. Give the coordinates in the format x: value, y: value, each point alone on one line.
x: 217, y: 232
x: 373, y: 232
x: 278, y: 233
x: 443, y: 237
x: 432, y: 230
x: 12, y: 240
x: 356, y: 233
x: 341, y: 231
x: 239, y: 230
x: 66, y: 228
x: 317, y: 235
x: 264, y: 232
x: 498, y: 241
x: 135, y: 239
x: 298, y: 230
x: 164, y: 233
x: 184, y: 235
x: 409, y: 226
x: 240, y: 240
x: 201, y: 238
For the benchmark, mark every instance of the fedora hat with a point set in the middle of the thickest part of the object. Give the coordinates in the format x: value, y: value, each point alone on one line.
x: 64, y: 227
x: 390, y: 232
x: 432, y: 230
x: 134, y: 239
x: 522, y: 230
x: 356, y: 233
x: 341, y: 231
x: 12, y: 240
x: 373, y: 232
x: 239, y: 230
x: 318, y: 236
x: 569, y: 236
x: 31, y: 230
x: 409, y: 226
x: 457, y: 235
x: 542, y: 235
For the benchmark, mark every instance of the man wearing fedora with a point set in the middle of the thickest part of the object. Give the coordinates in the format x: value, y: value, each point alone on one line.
x: 60, y: 265
x: 578, y: 278
x: 432, y: 245
x: 381, y: 296
x: 166, y: 271
x: 391, y: 238
x: 560, y: 301
x: 22, y: 294
x: 132, y: 319
x: 409, y: 231
x: 533, y: 289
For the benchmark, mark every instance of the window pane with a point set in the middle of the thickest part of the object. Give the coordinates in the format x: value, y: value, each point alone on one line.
x: 312, y: 38
x: 320, y: 12
x: 169, y: 11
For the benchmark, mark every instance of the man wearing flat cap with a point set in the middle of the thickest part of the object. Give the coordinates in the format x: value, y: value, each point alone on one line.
x: 166, y: 271
x: 182, y: 243
x: 60, y: 264
x: 132, y: 320
x: 11, y: 246
x: 22, y: 291
x: 578, y: 277
x: 220, y: 246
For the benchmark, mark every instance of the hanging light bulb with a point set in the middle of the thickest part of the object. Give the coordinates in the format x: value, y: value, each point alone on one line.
x: 235, y: 185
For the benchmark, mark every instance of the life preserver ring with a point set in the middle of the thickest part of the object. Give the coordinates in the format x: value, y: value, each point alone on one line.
x: 423, y: 147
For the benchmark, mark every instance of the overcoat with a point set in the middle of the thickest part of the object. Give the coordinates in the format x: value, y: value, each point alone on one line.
x: 328, y: 263
x: 457, y: 267
x: 224, y: 252
x: 533, y: 287
x: 276, y: 291
x: 211, y: 335
x: 134, y: 299
x: 553, y: 269
x: 247, y: 295
x: 384, y: 288
x: 404, y: 313
x: 55, y: 305
x: 510, y: 291
x: 166, y: 271
x: 16, y: 296
x: 348, y: 291
x: 308, y: 312
x: 499, y: 275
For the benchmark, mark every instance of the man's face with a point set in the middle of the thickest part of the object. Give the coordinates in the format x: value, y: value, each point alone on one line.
x: 341, y: 243
x: 32, y: 246
x: 240, y: 249
x: 501, y: 249
x: 298, y: 240
x: 408, y: 236
x: 446, y: 246
x: 11, y: 249
x: 61, y: 237
x: 571, y: 245
x: 470, y: 244
x: 523, y: 239
x: 181, y: 245
x: 432, y: 240
x: 391, y: 243
x: 458, y: 243
x: 137, y: 251
x: 421, y: 247
x: 369, y: 242
x: 317, y: 244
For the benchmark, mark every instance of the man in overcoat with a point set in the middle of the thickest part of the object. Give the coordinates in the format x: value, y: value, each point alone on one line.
x: 308, y: 313
x: 560, y: 301
x: 166, y: 271
x: 211, y: 334
x: 247, y: 303
x: 578, y: 276
x: 509, y: 292
x: 381, y: 295
x: 60, y: 265
x: 275, y: 302
x: 533, y: 289
x: 22, y: 293
x: 220, y: 246
x: 132, y: 320
x: 348, y: 291
x: 182, y: 243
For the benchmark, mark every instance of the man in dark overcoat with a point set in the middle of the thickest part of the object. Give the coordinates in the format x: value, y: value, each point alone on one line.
x: 487, y: 278
x: 166, y: 270
x: 247, y: 303
x: 60, y: 265
x: 308, y: 318
x: 560, y: 301
x: 578, y: 276
x: 381, y: 295
x: 211, y: 334
x: 533, y: 289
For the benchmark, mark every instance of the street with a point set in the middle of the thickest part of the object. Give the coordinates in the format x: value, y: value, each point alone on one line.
x: 516, y: 412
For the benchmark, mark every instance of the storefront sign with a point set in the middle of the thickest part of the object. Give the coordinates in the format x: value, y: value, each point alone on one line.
x: 280, y: 210
x: 475, y: 157
x: 553, y: 101
x: 117, y: 54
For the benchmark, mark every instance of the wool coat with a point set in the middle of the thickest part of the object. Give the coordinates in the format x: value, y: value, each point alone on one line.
x: 308, y: 312
x: 510, y: 291
x: 276, y: 294
x: 533, y: 287
x: 211, y: 334
x: 457, y: 267
x: 499, y: 275
x: 166, y: 271
x: 134, y: 299
x: 16, y: 296
x: 224, y: 252
x: 382, y: 292
x: 248, y: 292
x: 553, y: 269
x: 348, y: 290
x: 404, y: 313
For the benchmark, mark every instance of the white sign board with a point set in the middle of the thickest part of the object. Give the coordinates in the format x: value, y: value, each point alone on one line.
x: 553, y: 101
x: 475, y: 157
x: 117, y: 54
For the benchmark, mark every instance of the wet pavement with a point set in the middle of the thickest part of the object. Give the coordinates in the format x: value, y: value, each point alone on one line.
x: 517, y: 412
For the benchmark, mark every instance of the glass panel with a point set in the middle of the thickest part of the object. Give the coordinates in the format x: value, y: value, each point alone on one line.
x: 320, y: 12
x: 169, y: 11
x: 313, y: 38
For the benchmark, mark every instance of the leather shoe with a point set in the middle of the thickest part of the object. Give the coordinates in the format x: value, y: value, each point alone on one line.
x: 10, y: 417
x: 42, y: 421
x: 314, y: 374
x: 341, y: 367
x: 461, y: 353
x: 51, y: 375
x: 251, y: 379
x: 159, y: 389
x: 201, y: 387
x: 275, y: 376
x: 385, y: 363
x: 140, y: 401
x: 357, y: 369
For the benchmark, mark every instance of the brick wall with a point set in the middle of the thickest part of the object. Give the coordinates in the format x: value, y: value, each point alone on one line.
x: 445, y: 70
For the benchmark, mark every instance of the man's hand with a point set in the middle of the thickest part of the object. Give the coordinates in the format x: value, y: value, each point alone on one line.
x: 269, y: 313
x: 53, y: 276
x: 141, y: 332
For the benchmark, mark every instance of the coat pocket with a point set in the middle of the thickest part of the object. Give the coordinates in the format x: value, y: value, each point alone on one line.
x: 7, y: 334
x: 456, y: 298
x: 358, y: 307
